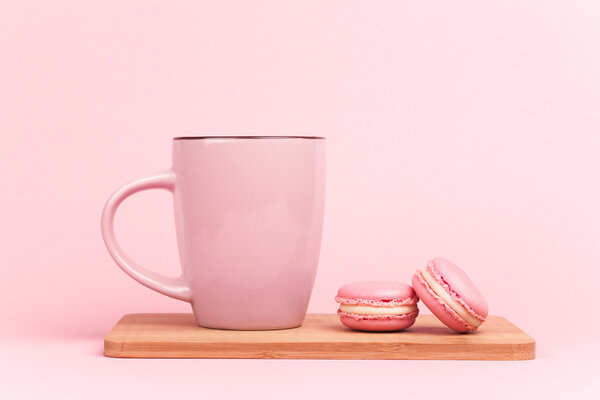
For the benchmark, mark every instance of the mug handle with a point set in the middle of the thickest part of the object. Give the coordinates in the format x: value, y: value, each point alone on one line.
x: 172, y: 287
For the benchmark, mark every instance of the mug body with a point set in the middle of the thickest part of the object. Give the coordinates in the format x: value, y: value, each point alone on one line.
x: 249, y: 217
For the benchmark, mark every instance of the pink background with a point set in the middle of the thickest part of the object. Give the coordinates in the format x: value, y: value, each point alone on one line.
x: 465, y: 129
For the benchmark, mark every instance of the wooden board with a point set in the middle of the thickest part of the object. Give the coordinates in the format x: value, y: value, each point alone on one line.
x: 321, y: 336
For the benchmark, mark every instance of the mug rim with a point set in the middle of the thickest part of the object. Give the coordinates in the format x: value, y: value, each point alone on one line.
x: 246, y: 137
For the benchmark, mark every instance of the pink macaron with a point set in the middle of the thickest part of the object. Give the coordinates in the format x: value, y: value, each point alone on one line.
x: 377, y: 306
x: 449, y: 293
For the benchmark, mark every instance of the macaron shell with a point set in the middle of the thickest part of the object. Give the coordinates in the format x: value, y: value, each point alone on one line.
x: 379, y: 324
x: 460, y: 283
x: 377, y: 293
x: 438, y: 307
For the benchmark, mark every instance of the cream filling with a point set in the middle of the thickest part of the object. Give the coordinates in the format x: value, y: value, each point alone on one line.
x: 448, y: 299
x: 366, y: 310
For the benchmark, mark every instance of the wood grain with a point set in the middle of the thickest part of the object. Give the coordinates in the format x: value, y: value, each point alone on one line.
x: 320, y: 337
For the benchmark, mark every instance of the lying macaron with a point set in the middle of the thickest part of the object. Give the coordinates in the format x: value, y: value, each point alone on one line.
x: 377, y: 306
x: 449, y: 293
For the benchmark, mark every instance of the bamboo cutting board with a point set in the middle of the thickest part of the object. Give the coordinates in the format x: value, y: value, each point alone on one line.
x: 321, y: 336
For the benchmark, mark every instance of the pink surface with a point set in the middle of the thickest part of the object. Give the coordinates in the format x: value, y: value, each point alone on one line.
x: 249, y: 219
x: 468, y: 129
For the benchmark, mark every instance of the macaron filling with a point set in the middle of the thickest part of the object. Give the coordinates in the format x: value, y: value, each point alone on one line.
x: 368, y: 310
x: 377, y: 302
x: 451, y: 302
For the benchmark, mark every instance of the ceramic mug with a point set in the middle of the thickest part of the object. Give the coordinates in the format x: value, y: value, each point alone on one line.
x: 248, y: 217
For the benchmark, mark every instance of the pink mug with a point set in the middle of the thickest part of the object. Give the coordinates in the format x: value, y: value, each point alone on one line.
x: 249, y: 218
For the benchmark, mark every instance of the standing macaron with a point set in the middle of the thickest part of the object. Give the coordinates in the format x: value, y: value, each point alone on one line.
x: 377, y: 306
x: 449, y: 293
